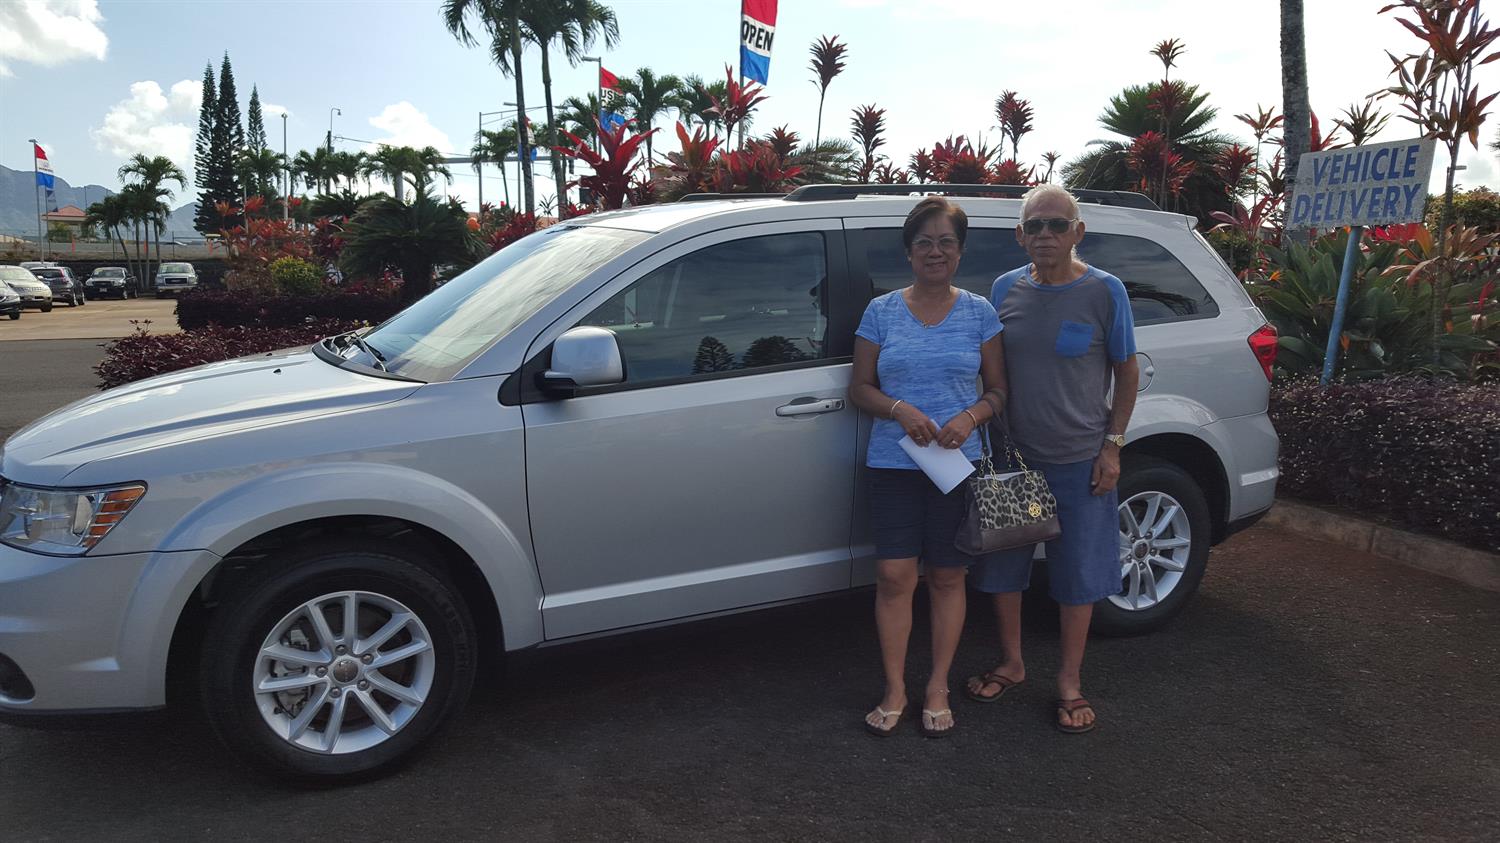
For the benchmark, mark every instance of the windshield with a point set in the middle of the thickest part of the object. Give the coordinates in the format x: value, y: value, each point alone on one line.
x: 16, y: 273
x: 176, y: 267
x: 109, y: 272
x: 437, y: 336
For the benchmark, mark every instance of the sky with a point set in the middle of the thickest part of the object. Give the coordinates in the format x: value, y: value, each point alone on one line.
x: 97, y: 81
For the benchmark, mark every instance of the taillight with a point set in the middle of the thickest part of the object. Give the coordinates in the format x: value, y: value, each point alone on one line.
x: 1263, y: 344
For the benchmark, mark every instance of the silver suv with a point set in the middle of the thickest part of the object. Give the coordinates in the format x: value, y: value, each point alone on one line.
x: 626, y: 419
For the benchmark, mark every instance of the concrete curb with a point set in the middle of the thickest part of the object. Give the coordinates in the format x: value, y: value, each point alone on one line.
x: 1437, y: 556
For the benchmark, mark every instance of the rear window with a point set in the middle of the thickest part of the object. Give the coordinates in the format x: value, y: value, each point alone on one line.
x: 1161, y: 289
x: 47, y: 273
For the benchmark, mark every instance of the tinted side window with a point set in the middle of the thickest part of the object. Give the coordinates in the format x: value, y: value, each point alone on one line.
x: 1161, y: 289
x: 741, y: 305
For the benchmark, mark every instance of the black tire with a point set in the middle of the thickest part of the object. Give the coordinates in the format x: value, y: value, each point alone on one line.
x: 16, y: 314
x: 242, y: 622
x: 1138, y: 475
x: 47, y: 308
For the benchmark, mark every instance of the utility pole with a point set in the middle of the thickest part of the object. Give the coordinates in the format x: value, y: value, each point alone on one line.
x: 598, y: 97
x: 286, y: 174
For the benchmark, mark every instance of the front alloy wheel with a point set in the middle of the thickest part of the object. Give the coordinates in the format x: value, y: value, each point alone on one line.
x: 337, y: 663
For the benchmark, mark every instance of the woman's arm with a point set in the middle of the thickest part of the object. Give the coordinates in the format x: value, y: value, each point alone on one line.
x: 864, y: 391
x: 989, y: 405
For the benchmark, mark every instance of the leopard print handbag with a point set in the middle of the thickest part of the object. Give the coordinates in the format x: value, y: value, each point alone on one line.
x: 1006, y: 512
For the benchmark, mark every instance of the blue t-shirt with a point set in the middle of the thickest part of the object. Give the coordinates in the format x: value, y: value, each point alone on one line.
x: 934, y: 369
x: 1060, y: 344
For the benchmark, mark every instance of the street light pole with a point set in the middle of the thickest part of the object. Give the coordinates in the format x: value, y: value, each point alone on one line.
x: 36, y: 191
x: 598, y: 97
x: 521, y: 143
x: 286, y: 174
x: 331, y: 112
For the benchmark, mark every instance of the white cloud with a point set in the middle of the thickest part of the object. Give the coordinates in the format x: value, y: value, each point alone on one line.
x: 50, y: 32
x: 269, y: 110
x: 404, y: 125
x: 149, y: 122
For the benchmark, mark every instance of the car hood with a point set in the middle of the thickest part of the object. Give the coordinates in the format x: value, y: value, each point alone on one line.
x: 29, y: 287
x: 280, y: 388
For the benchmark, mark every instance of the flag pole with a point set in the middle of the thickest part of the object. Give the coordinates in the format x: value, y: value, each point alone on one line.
x: 36, y: 188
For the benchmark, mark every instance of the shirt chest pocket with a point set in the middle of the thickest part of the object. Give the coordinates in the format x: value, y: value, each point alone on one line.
x: 1073, y: 339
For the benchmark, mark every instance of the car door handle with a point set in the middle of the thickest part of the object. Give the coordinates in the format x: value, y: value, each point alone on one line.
x: 810, y: 407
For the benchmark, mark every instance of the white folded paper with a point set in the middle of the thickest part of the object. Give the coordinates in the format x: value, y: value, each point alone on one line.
x: 947, y: 467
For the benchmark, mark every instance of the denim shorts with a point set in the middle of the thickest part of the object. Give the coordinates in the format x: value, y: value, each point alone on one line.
x: 911, y: 517
x: 1083, y: 564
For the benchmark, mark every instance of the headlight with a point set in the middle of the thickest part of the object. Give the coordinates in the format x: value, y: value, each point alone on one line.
x: 65, y: 522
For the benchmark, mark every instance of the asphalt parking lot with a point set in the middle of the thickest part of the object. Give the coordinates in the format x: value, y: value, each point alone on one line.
x: 1308, y: 692
x: 98, y: 319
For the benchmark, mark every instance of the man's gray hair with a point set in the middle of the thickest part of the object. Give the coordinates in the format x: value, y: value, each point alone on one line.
x: 1044, y: 191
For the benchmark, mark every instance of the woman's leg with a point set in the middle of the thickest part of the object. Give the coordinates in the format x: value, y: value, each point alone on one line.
x: 895, y: 581
x: 945, y: 588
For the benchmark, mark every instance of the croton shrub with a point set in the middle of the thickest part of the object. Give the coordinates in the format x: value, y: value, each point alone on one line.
x: 226, y: 308
x: 144, y: 354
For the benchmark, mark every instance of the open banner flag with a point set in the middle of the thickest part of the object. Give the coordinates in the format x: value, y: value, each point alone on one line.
x: 608, y: 81
x: 757, y: 29
x: 44, y: 175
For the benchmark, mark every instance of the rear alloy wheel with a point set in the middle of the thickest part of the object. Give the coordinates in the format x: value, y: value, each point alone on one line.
x: 47, y: 308
x: 339, y: 666
x: 1164, y: 542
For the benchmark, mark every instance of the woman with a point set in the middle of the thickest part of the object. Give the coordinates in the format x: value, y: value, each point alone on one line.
x: 917, y: 355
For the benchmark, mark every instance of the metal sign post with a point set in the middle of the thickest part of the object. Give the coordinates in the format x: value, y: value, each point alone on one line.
x: 1377, y: 184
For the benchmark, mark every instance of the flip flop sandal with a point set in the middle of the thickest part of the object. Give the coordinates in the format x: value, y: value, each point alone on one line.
x: 991, y: 678
x: 932, y: 732
x: 884, y: 716
x: 1072, y: 706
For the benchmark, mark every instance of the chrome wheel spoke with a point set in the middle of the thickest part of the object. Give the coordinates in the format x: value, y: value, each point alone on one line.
x: 394, y: 625
x: 277, y: 684
x: 1148, y: 578
x: 378, y: 715
x: 381, y: 683
x: 1159, y: 526
x: 1167, y: 563
x: 319, y: 621
x: 1132, y: 526
x: 1170, y: 544
x: 335, y: 722
x: 1153, y: 508
x: 1133, y: 592
x: 351, y: 619
x: 293, y: 656
x: 305, y: 717
x: 402, y: 653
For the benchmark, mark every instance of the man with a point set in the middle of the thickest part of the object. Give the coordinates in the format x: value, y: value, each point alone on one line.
x: 1068, y: 334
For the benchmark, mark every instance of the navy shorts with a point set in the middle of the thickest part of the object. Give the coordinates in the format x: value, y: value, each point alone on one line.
x: 1083, y: 564
x: 912, y: 517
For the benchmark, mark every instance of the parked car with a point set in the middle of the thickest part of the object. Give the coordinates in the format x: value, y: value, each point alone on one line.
x: 10, y: 302
x: 175, y: 278
x: 624, y: 420
x: 112, y: 282
x: 32, y: 291
x: 64, y: 285
x: 35, y: 264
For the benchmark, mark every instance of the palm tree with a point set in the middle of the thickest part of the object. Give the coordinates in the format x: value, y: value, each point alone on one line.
x: 1297, y: 131
x: 399, y: 164
x: 494, y: 147
x: 257, y: 169
x: 109, y: 214
x: 413, y: 238
x: 345, y: 203
x: 501, y: 20
x: 827, y: 62
x: 698, y: 103
x: 153, y: 173
x: 573, y: 25
x: 647, y: 96
x: 1130, y: 115
x: 315, y: 168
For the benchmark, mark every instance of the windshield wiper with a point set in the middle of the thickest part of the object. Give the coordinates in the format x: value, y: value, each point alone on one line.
x: 353, y: 338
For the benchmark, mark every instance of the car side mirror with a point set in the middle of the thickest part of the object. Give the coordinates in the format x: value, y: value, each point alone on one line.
x: 582, y: 357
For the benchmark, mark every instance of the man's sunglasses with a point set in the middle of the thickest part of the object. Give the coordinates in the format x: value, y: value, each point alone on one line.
x: 1056, y: 225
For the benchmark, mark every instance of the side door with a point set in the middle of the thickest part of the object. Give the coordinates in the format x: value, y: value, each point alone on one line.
x: 720, y: 474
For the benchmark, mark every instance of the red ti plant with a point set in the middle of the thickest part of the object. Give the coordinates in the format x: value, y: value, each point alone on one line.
x: 518, y: 226
x: 737, y: 103
x: 1316, y: 142
x: 692, y: 169
x: 1051, y: 158
x: 886, y: 174
x: 783, y: 142
x: 868, y: 125
x: 957, y: 161
x: 827, y: 62
x: 922, y: 167
x: 754, y: 169
x: 1009, y: 172
x: 1014, y: 115
x: 1161, y: 172
x: 1233, y: 166
x: 613, y: 169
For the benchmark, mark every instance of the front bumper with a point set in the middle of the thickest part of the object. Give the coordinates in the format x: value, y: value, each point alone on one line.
x: 91, y: 633
x: 36, y: 300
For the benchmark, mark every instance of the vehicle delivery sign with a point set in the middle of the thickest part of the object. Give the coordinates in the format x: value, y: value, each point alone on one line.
x: 1376, y: 184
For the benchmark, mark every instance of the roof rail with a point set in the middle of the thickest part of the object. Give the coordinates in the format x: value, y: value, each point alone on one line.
x: 709, y: 197
x: 825, y: 192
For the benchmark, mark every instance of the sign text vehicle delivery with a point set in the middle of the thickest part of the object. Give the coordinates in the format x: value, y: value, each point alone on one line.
x: 1377, y: 184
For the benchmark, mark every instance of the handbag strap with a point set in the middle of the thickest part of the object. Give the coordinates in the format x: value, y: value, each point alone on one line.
x: 1011, y: 451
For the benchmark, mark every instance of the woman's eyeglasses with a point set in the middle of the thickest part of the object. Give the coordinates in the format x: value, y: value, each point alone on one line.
x: 1056, y: 225
x: 947, y: 243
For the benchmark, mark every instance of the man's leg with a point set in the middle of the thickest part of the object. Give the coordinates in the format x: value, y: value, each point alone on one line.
x: 1004, y: 575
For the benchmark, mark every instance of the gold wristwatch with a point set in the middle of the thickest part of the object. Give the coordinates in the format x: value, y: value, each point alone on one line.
x: 1116, y: 439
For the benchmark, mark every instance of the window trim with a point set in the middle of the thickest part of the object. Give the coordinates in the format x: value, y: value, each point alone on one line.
x: 521, y: 387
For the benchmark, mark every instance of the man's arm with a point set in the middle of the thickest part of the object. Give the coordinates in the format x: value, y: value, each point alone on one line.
x: 1107, y: 466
